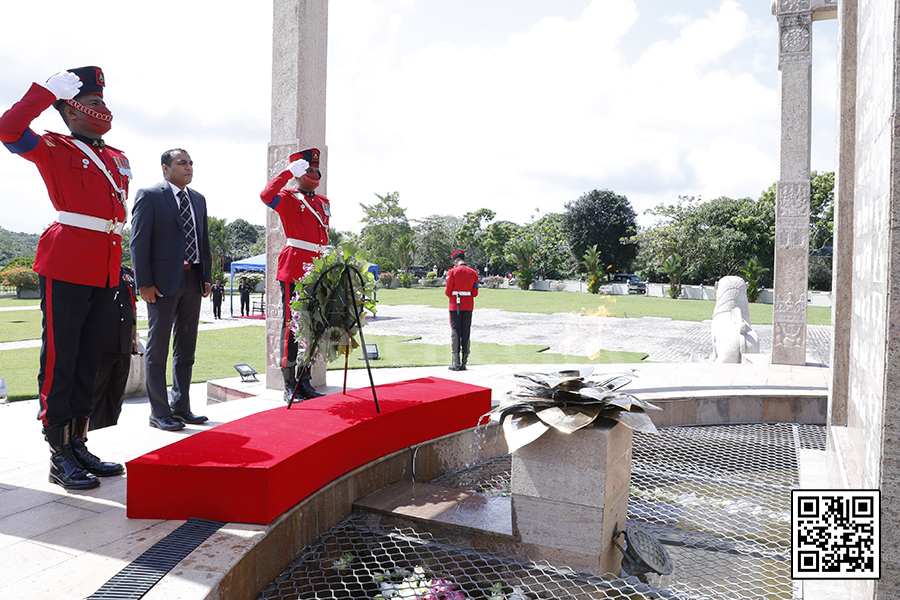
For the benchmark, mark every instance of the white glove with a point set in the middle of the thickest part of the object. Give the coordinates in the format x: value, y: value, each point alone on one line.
x: 64, y: 85
x: 298, y: 167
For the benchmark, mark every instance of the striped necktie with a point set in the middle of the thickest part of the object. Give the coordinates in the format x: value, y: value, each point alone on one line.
x: 187, y: 222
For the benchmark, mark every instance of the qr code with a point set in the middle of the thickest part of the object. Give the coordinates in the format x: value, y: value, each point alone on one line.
x: 835, y: 534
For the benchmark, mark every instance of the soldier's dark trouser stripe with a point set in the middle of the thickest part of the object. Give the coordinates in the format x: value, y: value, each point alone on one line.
x: 289, y: 344
x: 73, y: 324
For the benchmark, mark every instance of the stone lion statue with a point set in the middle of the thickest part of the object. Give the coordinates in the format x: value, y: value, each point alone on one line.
x: 732, y: 335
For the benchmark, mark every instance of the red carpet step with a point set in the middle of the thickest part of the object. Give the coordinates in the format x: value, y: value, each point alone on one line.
x: 253, y: 469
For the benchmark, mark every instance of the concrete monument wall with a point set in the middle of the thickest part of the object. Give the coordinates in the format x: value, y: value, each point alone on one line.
x: 299, y: 53
x: 864, y: 432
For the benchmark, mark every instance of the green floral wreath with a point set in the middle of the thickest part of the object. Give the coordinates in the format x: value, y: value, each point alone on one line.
x: 324, y: 309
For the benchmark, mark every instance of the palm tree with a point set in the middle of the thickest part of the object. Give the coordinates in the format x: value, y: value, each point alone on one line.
x: 218, y: 245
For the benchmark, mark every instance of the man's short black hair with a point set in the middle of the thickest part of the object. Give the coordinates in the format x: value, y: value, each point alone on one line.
x: 168, y: 155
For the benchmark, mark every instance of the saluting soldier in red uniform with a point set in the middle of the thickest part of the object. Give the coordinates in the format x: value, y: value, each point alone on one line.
x: 304, y: 217
x: 462, y: 287
x: 78, y: 257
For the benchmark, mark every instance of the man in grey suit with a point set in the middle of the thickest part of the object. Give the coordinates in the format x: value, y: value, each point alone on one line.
x: 172, y: 268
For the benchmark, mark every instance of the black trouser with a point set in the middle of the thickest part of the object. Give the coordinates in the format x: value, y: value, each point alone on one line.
x: 245, y: 304
x: 460, y: 326
x: 74, y: 322
x: 109, y: 389
x: 289, y: 344
x: 217, y: 308
x: 181, y: 310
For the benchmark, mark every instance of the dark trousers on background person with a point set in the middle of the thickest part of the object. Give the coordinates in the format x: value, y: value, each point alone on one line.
x: 217, y: 309
x: 460, y: 326
x: 109, y: 389
x: 74, y: 318
x: 181, y: 311
x: 289, y: 345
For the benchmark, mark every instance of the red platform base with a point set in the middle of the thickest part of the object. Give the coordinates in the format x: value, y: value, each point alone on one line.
x: 253, y: 469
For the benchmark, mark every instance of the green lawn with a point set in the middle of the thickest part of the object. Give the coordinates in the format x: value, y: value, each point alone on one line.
x: 19, y: 325
x: 401, y: 351
x: 219, y: 350
x: 14, y: 302
x: 633, y: 306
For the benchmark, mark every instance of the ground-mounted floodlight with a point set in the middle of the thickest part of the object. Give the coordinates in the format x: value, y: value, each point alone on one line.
x: 642, y: 553
x: 246, y: 372
x: 371, y: 351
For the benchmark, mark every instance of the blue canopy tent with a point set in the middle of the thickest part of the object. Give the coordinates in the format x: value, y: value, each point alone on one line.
x: 254, y: 263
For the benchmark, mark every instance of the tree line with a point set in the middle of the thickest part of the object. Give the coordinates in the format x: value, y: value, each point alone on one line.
x: 597, y: 235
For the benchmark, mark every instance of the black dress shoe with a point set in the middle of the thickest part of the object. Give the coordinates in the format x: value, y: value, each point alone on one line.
x: 454, y: 368
x: 166, y: 423
x: 189, y: 417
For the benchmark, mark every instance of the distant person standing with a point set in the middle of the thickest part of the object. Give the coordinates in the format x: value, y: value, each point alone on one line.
x: 462, y: 287
x: 78, y: 257
x: 173, y: 269
x: 304, y: 216
x: 218, y: 292
x: 245, y: 290
x: 119, y: 344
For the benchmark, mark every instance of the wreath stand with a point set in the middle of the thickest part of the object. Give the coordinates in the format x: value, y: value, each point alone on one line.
x: 345, y: 288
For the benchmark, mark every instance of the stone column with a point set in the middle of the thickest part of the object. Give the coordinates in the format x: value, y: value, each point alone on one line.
x: 299, y: 50
x: 793, y: 187
x: 569, y: 492
x: 792, y: 190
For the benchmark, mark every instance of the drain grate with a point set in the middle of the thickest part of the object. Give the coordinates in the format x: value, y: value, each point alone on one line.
x: 136, y: 579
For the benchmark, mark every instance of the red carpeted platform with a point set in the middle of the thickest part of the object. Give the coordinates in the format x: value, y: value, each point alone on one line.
x: 253, y: 469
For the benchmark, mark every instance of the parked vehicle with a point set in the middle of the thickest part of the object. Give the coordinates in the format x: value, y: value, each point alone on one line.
x: 418, y: 271
x: 635, y: 285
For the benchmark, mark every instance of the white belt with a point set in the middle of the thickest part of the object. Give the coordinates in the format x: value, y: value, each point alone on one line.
x: 461, y: 293
x: 89, y: 222
x: 304, y: 245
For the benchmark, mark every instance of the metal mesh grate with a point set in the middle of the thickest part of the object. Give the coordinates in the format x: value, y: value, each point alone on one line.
x: 346, y: 561
x: 717, y: 497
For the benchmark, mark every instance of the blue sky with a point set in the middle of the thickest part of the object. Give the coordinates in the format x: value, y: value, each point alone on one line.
x: 514, y: 105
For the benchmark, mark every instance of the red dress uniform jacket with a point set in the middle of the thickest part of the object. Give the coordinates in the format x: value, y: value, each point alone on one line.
x: 298, y: 223
x: 462, y: 279
x: 75, y: 184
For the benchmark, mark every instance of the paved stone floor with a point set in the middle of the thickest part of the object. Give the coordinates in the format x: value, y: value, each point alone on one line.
x: 664, y: 340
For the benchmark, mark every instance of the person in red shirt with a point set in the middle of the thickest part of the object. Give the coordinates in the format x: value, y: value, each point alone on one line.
x: 304, y: 217
x: 77, y: 259
x: 462, y: 287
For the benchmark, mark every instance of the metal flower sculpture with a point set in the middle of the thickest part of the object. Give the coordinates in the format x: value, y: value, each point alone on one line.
x: 567, y: 401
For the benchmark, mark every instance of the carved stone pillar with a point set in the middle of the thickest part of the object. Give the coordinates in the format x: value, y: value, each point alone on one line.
x: 299, y: 51
x: 793, y: 186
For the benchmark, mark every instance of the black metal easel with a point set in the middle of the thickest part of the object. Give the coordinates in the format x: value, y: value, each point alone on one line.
x: 345, y: 287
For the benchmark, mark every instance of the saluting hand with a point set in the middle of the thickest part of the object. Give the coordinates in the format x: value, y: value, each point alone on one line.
x: 64, y: 85
x: 298, y: 167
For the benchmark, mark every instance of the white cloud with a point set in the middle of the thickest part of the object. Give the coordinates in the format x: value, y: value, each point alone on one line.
x: 533, y: 120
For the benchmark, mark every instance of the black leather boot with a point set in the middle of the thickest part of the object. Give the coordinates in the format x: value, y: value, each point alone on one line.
x: 306, y: 388
x: 290, y: 382
x: 462, y: 365
x: 88, y: 461
x: 65, y: 470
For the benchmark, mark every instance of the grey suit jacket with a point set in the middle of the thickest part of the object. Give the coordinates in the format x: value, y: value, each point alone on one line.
x: 157, y: 238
